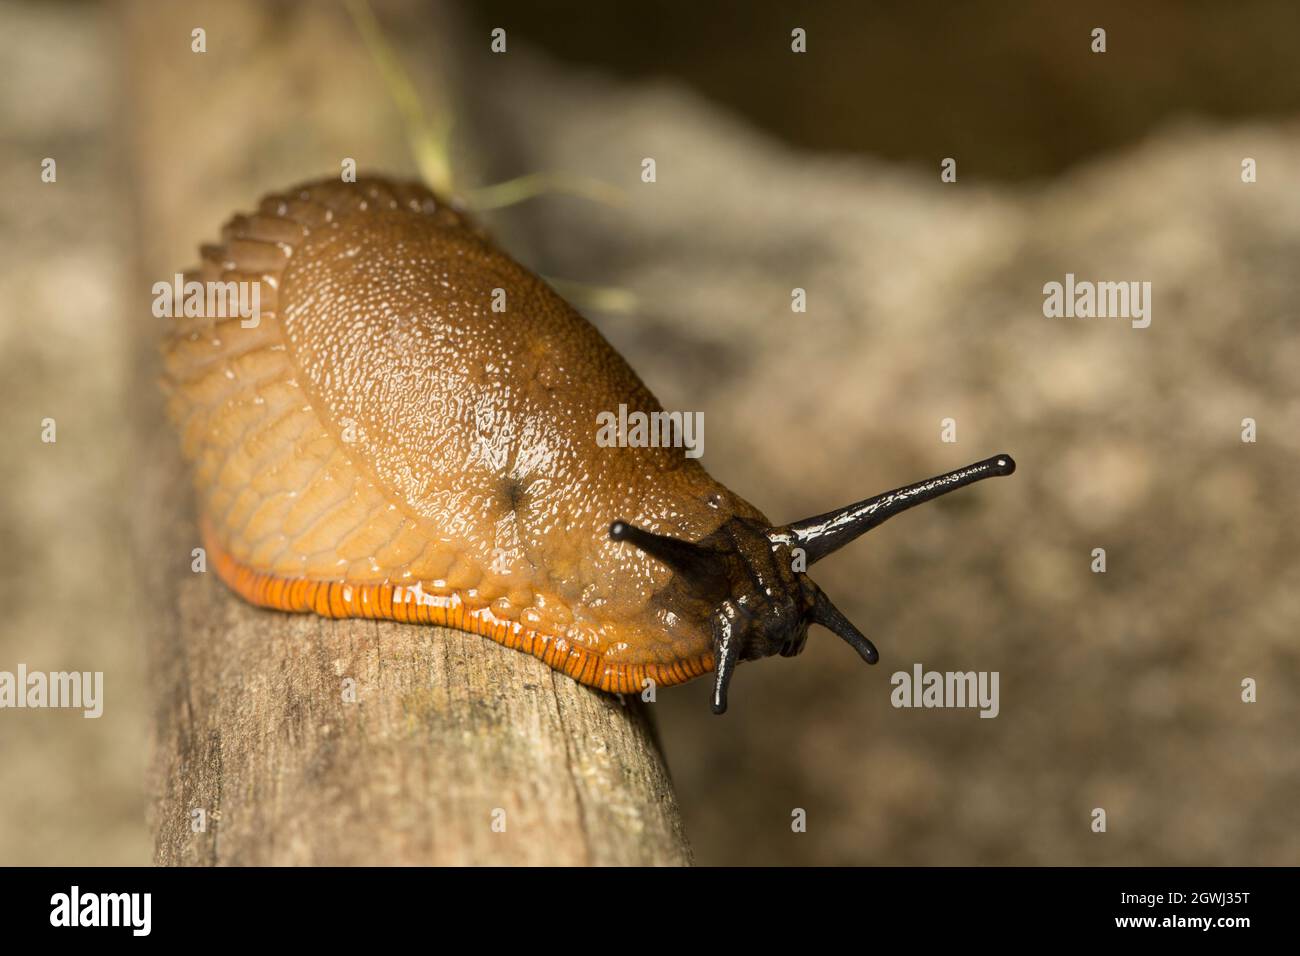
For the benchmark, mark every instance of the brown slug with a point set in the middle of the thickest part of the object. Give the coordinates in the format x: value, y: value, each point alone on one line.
x: 383, y: 444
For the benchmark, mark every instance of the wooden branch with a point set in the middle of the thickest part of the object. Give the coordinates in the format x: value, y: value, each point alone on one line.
x: 292, y: 739
x: 310, y: 741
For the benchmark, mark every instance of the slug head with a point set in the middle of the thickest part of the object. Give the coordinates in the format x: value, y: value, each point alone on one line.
x: 750, y: 579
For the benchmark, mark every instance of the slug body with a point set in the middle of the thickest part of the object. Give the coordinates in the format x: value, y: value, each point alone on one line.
x: 384, y: 443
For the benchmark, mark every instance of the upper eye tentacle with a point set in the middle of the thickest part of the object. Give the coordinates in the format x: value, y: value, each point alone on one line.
x: 823, y: 534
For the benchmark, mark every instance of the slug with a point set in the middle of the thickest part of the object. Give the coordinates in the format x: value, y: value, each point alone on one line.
x: 382, y: 443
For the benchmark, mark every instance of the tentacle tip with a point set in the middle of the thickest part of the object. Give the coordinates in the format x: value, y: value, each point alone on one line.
x: 618, y: 530
x: 1005, y: 464
x: 719, y: 707
x: 870, y: 654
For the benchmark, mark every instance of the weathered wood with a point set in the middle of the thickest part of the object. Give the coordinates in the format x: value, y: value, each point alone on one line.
x: 355, y: 742
x: 292, y: 739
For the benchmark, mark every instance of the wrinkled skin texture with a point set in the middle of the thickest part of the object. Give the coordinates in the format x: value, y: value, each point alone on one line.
x: 384, y: 425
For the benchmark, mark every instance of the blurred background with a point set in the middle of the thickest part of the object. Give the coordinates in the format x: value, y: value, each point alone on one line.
x: 774, y: 171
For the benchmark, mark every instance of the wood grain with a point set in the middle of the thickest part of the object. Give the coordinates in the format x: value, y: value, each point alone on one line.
x: 311, y: 741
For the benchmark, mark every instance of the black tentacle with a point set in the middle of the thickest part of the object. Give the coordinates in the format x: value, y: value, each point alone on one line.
x: 828, y: 616
x: 823, y: 534
x: 727, y: 638
x: 682, y: 556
